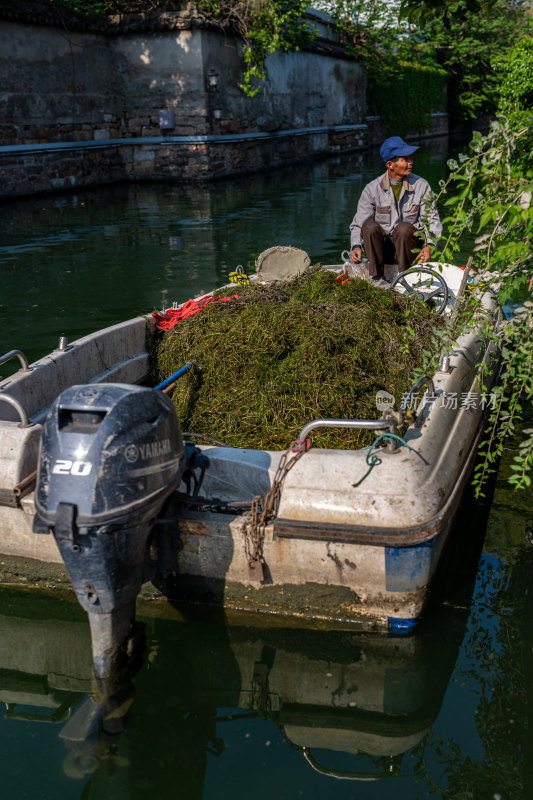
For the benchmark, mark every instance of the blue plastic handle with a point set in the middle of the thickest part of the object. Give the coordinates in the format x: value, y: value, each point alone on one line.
x: 174, y: 377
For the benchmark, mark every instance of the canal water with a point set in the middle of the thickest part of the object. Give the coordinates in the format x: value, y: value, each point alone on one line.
x: 236, y: 711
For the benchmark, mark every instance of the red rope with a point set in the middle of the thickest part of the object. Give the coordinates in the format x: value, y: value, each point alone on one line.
x: 166, y: 320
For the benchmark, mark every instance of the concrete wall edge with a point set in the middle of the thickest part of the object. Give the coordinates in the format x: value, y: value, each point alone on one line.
x: 225, y: 138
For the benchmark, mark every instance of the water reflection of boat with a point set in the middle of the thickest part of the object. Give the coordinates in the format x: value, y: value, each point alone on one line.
x: 359, y: 699
x: 345, y: 547
x: 45, y: 659
x: 375, y: 696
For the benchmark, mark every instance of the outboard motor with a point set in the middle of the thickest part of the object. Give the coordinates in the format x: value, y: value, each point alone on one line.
x: 110, y: 456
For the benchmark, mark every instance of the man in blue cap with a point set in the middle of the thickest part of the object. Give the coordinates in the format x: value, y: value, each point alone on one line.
x: 395, y: 216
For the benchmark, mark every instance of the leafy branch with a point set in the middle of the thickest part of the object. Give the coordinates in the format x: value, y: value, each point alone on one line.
x: 265, y: 26
x: 404, y: 83
x: 493, y: 190
x: 471, y: 38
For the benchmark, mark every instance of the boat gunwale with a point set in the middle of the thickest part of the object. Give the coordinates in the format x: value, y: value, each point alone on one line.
x: 14, y: 385
x: 411, y: 536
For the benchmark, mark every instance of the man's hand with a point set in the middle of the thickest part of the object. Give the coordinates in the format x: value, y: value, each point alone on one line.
x: 424, y: 255
x: 356, y: 255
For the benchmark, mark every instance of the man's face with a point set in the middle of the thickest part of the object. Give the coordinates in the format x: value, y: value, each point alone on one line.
x: 400, y: 169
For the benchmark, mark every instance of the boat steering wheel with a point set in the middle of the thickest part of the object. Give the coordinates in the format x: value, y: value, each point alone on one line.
x: 441, y: 291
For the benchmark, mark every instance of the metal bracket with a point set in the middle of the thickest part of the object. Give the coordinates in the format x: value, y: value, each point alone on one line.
x: 65, y: 528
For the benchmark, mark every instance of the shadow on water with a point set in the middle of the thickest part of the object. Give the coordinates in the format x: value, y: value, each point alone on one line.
x: 329, y: 696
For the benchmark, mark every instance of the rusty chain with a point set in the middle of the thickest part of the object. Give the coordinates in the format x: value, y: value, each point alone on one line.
x: 264, y: 509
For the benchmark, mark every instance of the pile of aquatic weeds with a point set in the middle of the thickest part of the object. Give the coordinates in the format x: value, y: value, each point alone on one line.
x: 280, y: 355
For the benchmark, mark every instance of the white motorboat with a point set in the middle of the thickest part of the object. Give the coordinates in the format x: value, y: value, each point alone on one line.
x: 350, y: 542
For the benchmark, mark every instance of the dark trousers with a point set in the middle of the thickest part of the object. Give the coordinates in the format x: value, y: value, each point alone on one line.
x: 394, y: 248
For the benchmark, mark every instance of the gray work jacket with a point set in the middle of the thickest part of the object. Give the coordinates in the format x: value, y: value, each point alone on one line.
x: 378, y: 202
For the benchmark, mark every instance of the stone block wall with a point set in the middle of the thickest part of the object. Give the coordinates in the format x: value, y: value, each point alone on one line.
x: 40, y: 172
x: 82, y: 107
x: 40, y: 168
x: 222, y: 156
x: 437, y: 127
x: 80, y: 86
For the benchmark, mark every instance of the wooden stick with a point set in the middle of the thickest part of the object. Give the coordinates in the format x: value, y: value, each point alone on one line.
x: 460, y: 293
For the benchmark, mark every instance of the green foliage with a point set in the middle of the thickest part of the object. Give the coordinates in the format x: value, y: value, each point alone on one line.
x: 468, y: 37
x: 265, y: 26
x: 404, y: 84
x: 492, y: 186
x: 422, y: 11
x: 368, y: 30
x: 404, y: 95
x: 102, y: 8
x: 89, y: 8
x: 469, y: 45
x: 516, y: 89
x: 489, y: 195
x: 490, y: 192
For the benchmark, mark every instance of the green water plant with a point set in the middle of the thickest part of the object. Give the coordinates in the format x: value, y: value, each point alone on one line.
x: 277, y: 356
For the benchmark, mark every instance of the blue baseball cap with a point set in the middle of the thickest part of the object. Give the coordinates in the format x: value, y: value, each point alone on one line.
x: 394, y: 146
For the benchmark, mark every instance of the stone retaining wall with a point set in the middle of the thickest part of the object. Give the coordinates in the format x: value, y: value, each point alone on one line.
x: 43, y: 167
x: 437, y: 127
x: 82, y: 107
x: 39, y: 168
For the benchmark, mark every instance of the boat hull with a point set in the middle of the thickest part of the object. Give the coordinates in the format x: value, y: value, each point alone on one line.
x: 349, y: 546
x: 323, y: 575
